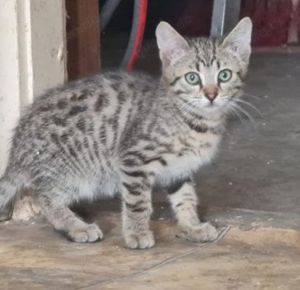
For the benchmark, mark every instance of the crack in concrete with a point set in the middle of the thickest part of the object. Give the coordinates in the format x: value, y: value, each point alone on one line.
x: 222, y: 234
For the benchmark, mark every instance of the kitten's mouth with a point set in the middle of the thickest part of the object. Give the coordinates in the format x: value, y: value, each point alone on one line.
x: 211, y: 105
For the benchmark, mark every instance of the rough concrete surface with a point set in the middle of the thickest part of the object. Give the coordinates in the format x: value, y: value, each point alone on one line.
x: 33, y: 256
x: 253, y: 186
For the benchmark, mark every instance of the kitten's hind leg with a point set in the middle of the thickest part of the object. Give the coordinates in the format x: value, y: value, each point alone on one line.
x: 64, y: 220
x: 184, y: 203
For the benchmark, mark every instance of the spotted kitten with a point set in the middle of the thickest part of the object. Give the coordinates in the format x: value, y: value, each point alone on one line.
x: 120, y: 133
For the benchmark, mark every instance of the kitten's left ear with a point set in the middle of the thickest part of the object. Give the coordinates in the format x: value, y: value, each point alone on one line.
x: 239, y: 39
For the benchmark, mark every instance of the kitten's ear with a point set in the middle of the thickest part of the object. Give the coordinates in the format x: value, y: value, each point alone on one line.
x: 171, y: 44
x: 239, y: 39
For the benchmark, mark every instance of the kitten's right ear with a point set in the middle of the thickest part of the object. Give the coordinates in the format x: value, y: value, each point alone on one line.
x: 171, y: 44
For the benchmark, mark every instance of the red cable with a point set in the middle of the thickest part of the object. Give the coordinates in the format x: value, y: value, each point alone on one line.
x: 139, y: 35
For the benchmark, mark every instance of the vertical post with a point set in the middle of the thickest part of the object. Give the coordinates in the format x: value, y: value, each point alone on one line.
x: 225, y: 16
x: 9, y: 76
x: 32, y: 58
x: 48, y: 43
x: 83, y: 37
x: 293, y: 36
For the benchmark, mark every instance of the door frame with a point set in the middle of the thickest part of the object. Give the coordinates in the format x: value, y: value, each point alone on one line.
x: 32, y: 58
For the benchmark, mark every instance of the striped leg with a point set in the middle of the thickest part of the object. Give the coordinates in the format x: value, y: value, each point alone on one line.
x: 184, y: 203
x: 137, y: 210
x: 64, y: 220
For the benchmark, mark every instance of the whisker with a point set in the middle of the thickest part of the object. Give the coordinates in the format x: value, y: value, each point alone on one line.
x: 236, y: 113
x: 252, y: 96
x: 248, y: 115
x: 250, y: 105
x: 189, y: 106
x: 185, y: 108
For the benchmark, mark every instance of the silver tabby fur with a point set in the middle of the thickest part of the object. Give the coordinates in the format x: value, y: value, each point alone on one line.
x: 117, y: 133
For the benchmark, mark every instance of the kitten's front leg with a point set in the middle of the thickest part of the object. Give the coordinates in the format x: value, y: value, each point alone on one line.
x: 137, y: 210
x: 184, y: 203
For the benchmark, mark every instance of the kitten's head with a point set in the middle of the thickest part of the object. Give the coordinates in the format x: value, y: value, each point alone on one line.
x: 205, y: 74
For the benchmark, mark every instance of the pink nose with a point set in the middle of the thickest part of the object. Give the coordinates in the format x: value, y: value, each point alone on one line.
x: 211, y: 92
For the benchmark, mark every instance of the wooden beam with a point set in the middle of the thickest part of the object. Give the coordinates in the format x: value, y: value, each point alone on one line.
x: 83, y: 38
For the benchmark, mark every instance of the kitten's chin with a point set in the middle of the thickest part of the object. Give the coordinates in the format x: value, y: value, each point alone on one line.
x: 213, y: 112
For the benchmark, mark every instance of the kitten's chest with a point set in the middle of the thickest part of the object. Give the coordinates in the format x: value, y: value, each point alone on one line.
x: 188, y: 156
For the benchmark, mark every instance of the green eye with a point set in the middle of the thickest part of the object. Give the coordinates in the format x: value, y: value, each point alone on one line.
x: 224, y: 75
x: 193, y: 78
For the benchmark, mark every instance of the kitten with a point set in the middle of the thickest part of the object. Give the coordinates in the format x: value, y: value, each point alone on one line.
x: 120, y: 133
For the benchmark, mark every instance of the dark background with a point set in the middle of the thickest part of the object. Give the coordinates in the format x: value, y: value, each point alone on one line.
x: 271, y: 18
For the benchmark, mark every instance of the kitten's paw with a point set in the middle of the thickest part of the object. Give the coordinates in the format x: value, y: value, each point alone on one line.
x: 89, y: 234
x: 143, y: 240
x: 203, y: 232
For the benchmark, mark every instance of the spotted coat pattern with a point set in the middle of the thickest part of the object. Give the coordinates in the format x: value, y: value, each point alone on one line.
x: 117, y: 133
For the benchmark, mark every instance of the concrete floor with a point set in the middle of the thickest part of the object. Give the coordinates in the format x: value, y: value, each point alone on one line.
x: 32, y: 257
x: 253, y: 186
x: 259, y: 166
